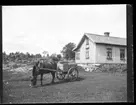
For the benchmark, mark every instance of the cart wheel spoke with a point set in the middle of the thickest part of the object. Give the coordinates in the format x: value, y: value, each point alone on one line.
x: 73, y: 74
x: 60, y: 75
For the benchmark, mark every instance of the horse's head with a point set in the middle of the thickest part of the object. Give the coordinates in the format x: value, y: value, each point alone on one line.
x: 35, y: 70
x: 33, y: 81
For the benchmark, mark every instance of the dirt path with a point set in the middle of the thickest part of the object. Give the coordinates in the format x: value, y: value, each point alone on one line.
x: 90, y: 87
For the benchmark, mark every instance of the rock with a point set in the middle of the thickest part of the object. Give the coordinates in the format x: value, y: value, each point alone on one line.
x: 111, y: 68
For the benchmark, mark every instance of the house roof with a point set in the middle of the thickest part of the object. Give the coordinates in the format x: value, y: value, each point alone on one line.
x: 101, y: 39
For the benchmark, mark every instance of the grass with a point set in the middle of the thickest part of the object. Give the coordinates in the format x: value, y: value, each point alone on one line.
x: 90, y: 87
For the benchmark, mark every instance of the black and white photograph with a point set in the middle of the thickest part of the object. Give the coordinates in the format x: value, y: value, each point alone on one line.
x: 64, y: 53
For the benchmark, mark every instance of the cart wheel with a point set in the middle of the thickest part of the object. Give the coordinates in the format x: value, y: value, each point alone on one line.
x: 73, y: 74
x: 60, y: 75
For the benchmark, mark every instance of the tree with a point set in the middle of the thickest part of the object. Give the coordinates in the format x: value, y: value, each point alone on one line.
x: 45, y: 53
x: 22, y: 56
x: 11, y: 56
x: 32, y: 55
x: 54, y: 55
x: 67, y: 51
x: 17, y: 56
x: 38, y: 55
x: 27, y: 55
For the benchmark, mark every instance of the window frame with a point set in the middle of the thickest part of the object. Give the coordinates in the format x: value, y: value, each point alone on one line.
x: 109, y: 53
x: 87, y: 54
x: 122, y: 51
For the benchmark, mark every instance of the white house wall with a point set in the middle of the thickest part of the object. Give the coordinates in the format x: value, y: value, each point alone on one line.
x: 83, y: 53
x: 101, y: 54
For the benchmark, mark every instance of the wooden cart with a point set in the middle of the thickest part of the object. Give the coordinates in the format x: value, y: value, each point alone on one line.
x: 67, y: 70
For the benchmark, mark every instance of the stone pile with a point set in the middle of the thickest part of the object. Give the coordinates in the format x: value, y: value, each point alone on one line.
x: 22, y: 69
x: 104, y: 67
x: 112, y: 68
x: 89, y: 67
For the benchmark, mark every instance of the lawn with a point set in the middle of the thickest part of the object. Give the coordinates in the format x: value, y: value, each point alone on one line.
x: 89, y: 87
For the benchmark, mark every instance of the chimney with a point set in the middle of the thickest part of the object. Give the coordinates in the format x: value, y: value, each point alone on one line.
x: 106, y: 34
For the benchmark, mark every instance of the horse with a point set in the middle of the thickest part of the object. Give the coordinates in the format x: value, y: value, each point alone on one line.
x: 41, y: 67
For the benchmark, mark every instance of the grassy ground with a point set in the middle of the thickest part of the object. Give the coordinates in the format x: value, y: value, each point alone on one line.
x: 90, y: 87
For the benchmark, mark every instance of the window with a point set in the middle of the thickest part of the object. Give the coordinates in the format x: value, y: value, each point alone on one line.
x: 109, y: 53
x: 87, y: 41
x: 87, y: 47
x: 77, y: 55
x: 122, y: 54
x: 87, y: 54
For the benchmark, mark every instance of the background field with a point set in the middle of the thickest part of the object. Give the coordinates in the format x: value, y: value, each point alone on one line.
x: 90, y: 87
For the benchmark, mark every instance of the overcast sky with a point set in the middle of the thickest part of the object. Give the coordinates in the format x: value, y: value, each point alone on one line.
x: 35, y: 29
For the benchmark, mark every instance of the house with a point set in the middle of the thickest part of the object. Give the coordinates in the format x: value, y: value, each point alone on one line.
x: 98, y: 49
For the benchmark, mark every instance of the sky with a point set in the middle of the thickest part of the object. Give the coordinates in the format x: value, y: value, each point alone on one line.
x: 35, y: 29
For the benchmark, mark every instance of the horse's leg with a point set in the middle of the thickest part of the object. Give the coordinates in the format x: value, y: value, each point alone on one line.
x: 41, y: 78
x: 53, y: 76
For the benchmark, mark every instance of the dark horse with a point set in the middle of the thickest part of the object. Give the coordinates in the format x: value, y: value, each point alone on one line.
x: 41, y: 67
